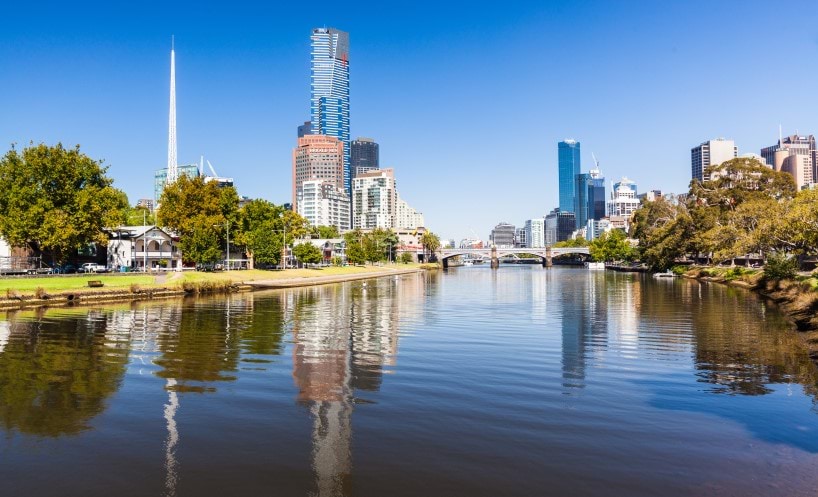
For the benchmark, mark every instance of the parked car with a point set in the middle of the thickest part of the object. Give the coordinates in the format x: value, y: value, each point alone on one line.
x: 91, y: 267
x: 65, y: 269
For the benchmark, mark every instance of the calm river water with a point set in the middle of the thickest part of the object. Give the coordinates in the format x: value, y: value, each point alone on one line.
x: 519, y: 382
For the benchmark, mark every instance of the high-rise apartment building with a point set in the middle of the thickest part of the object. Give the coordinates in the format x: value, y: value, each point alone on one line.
x: 317, y: 157
x: 406, y: 216
x: 710, y: 153
x: 535, y: 233
x: 305, y: 129
x: 589, y: 200
x: 569, y: 167
x: 323, y: 203
x: 364, y: 156
x: 502, y: 236
x: 329, y: 95
x: 374, y: 200
x: 521, y: 238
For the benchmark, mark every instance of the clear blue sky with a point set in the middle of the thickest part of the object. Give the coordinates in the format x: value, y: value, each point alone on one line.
x: 467, y: 100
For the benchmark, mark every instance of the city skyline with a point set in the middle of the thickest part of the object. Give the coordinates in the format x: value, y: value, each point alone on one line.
x: 243, y: 86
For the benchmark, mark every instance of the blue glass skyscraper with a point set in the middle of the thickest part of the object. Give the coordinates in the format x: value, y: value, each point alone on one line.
x: 329, y: 89
x: 589, y: 197
x: 569, y: 168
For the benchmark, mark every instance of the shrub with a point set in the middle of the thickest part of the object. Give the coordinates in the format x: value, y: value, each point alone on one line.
x: 406, y: 258
x: 135, y: 288
x: 780, y: 267
x: 11, y: 293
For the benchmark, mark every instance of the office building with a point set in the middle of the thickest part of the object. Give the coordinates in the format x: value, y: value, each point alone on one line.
x: 364, y: 156
x: 623, y: 198
x: 329, y: 95
x: 595, y: 227
x: 160, y: 177
x: 558, y: 226
x: 778, y: 157
x: 406, y: 216
x: 649, y: 196
x: 145, y: 203
x: 305, y: 129
x: 710, y: 153
x: 317, y: 157
x: 323, y: 203
x: 520, y: 238
x: 589, y: 200
x: 374, y: 200
x: 535, y: 233
x: 569, y: 168
x: 502, y: 236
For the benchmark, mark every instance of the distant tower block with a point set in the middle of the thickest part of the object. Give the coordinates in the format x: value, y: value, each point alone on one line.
x: 173, y: 171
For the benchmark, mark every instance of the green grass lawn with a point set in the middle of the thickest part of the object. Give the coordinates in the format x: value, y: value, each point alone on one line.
x: 64, y: 283
x: 70, y: 282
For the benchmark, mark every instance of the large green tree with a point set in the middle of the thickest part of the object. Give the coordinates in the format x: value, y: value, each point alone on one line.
x: 56, y: 199
x: 663, y: 228
x: 307, y: 253
x: 430, y: 242
x: 200, y: 213
x: 611, y: 246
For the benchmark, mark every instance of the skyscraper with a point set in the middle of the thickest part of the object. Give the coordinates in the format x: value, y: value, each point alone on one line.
x: 569, y: 168
x: 305, y: 129
x: 329, y: 85
x: 589, y: 197
x: 710, y: 153
x: 364, y: 155
x: 173, y: 172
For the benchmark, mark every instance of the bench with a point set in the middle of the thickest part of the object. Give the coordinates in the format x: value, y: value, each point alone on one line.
x: 95, y: 283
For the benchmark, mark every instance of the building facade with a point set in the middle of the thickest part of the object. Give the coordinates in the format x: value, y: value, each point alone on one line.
x: 323, y: 203
x: 141, y: 247
x: 710, y: 153
x: 568, y: 159
x: 406, y: 216
x: 364, y: 156
x: 317, y: 157
x: 502, y: 236
x: 374, y: 200
x: 329, y: 95
x: 521, y: 238
x: 535, y: 233
x: 623, y: 198
x: 558, y: 226
x: 589, y: 200
x: 791, y: 155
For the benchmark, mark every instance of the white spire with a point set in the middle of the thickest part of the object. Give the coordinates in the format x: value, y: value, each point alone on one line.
x: 173, y: 172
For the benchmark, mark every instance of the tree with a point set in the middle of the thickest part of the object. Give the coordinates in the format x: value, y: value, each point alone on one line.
x: 572, y: 242
x: 406, y: 258
x: 431, y: 243
x: 795, y: 225
x: 56, y: 199
x: 663, y: 228
x: 611, y: 246
x: 325, y: 231
x: 354, y: 247
x: 307, y: 253
x: 192, y: 208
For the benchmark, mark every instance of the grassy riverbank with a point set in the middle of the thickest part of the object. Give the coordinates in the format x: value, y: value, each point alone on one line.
x: 22, y: 288
x: 797, y: 297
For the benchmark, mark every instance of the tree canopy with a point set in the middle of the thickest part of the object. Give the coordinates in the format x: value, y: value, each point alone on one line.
x: 56, y: 199
x: 200, y: 213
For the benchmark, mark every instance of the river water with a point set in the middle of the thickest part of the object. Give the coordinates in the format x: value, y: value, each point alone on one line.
x: 523, y: 381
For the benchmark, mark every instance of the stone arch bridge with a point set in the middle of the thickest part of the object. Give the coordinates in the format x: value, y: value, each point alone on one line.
x: 547, y: 254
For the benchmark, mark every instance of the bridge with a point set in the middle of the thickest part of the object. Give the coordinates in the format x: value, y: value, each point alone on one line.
x: 494, y: 253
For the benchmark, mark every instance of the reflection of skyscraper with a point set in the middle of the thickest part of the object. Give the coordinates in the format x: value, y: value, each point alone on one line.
x: 344, y: 335
x: 584, y: 327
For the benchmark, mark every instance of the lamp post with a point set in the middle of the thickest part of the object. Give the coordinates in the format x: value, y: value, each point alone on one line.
x: 227, y: 253
x: 144, y: 243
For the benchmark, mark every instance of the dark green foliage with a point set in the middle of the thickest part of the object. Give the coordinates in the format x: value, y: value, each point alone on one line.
x: 780, y: 267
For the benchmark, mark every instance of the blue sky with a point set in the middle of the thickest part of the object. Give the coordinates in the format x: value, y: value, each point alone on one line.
x: 468, y: 100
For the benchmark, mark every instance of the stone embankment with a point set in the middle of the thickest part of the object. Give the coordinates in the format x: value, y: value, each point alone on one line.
x: 798, y: 299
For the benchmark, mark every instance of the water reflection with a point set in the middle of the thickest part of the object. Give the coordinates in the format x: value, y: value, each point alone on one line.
x: 55, y: 376
x: 344, y: 337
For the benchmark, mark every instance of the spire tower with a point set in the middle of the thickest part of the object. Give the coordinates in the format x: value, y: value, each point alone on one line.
x: 173, y: 171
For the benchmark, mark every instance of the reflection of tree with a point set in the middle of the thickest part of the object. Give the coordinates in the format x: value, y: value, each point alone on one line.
x: 741, y: 345
x: 56, y: 374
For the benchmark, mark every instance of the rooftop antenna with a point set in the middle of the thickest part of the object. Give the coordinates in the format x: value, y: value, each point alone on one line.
x: 173, y: 171
x: 780, y: 136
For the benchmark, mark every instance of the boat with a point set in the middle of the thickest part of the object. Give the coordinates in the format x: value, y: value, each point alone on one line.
x: 468, y: 263
x: 595, y: 265
x: 666, y: 274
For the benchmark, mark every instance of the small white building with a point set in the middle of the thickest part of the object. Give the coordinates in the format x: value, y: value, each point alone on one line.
x: 138, y: 247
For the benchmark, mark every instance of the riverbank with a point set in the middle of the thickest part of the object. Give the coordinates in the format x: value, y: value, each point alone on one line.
x: 19, y: 292
x: 798, y: 298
